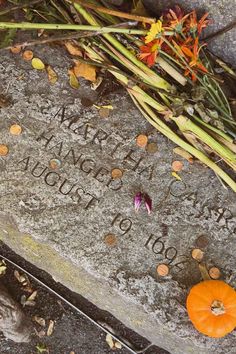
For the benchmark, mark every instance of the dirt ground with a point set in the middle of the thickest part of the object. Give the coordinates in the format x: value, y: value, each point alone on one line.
x: 72, y: 332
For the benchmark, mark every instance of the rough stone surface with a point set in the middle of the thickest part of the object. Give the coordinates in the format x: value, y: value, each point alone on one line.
x: 222, y: 13
x: 63, y: 231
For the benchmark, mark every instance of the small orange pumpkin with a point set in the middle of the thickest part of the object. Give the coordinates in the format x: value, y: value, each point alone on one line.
x: 211, y: 307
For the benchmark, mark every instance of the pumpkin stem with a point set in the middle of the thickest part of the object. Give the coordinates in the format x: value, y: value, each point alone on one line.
x: 217, y: 308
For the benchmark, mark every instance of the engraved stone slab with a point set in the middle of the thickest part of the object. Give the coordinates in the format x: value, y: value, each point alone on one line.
x: 56, y: 187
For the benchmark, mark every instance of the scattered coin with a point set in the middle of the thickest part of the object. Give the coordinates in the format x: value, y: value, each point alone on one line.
x: 116, y: 173
x: 214, y: 273
x: 28, y: 55
x: 55, y: 164
x: 162, y: 270
x: 152, y: 148
x: 3, y: 150
x: 141, y: 140
x: 177, y: 166
x: 202, y: 241
x: 15, y: 129
x: 110, y: 240
x: 15, y: 50
x: 197, y: 254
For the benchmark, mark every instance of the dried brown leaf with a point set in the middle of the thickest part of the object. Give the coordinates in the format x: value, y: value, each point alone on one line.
x: 109, y: 341
x: 74, y: 83
x: 73, y: 49
x: 84, y: 70
x: 32, y: 297
x: 50, y: 328
x: 40, y: 320
x: 3, y: 267
x: 186, y: 155
x: 52, y: 76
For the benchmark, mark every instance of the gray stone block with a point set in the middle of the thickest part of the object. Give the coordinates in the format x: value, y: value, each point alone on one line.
x: 58, y: 218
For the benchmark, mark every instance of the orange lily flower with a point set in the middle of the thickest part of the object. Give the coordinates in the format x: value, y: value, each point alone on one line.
x: 203, y: 22
x: 175, y: 18
x: 149, y: 51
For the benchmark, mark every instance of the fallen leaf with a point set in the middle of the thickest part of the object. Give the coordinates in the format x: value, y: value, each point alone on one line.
x: 109, y: 106
x: 109, y: 341
x: 186, y: 155
x: 28, y: 55
x: 16, y: 49
x: 85, y: 70
x: 37, y: 64
x: 174, y: 174
x: 50, y: 328
x: 40, y: 320
x: 41, y: 348
x: 73, y: 49
x: 24, y: 280
x: 74, y: 83
x: 141, y: 140
x: 97, y: 83
x: 3, y: 267
x: 118, y: 345
x: 52, y: 76
x: 32, y: 297
x: 19, y: 277
x: 177, y: 166
x: 24, y: 301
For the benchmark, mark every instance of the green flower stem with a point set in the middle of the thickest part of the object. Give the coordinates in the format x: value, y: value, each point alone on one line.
x: 151, y: 117
x: 68, y: 26
x: 214, y: 129
x: 186, y: 125
x: 155, y: 79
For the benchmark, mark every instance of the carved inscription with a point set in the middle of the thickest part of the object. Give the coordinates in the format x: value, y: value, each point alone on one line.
x: 168, y: 254
x: 123, y: 224
x: 54, y: 179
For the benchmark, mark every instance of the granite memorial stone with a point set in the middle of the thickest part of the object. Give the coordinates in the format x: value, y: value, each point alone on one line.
x: 63, y: 209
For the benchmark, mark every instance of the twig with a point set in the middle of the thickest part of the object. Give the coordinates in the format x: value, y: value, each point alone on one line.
x: 17, y: 7
x: 115, y: 12
x: 220, y: 32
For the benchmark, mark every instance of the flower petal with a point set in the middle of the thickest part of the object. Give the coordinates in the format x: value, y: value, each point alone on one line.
x: 148, y: 203
x: 137, y: 201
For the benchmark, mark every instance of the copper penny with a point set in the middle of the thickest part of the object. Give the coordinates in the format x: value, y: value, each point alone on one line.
x: 3, y: 150
x: 162, y: 270
x: 110, y: 240
x: 15, y: 129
